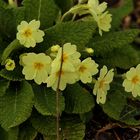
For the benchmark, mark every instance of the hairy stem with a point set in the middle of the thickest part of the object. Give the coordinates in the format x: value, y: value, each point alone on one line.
x: 57, y: 100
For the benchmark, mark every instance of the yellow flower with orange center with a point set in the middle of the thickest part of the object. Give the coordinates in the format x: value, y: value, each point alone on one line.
x: 69, y: 56
x: 66, y: 76
x: 36, y: 66
x: 132, y: 81
x: 29, y: 33
x: 87, y: 68
x: 102, y: 85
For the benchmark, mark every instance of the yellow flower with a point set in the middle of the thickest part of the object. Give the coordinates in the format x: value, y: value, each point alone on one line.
x: 66, y: 77
x: 10, y: 64
x: 29, y: 33
x: 95, y: 7
x: 104, y: 22
x: 89, y: 50
x: 132, y: 81
x: 102, y: 84
x: 36, y: 66
x: 70, y: 57
x: 87, y: 69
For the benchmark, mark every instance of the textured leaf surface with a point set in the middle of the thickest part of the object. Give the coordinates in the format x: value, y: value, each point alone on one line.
x: 125, y: 57
x: 44, y: 10
x: 9, y: 19
x: 119, y: 108
x: 105, y: 44
x: 45, y: 100
x: 12, y: 134
x: 27, y: 132
x: 77, y: 33
x: 4, y: 84
x: 16, y: 104
x: 15, y: 75
x: 78, y: 100
x: 71, y: 127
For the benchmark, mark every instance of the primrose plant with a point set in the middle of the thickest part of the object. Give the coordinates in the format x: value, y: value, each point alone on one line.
x: 57, y: 64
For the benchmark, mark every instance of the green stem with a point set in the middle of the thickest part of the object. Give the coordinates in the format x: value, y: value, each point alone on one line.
x: 12, y: 46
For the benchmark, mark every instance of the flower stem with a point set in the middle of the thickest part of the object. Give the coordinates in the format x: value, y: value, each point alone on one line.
x: 57, y: 100
x: 12, y: 46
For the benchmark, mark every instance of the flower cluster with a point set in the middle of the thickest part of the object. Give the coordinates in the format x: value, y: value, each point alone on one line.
x: 97, y: 11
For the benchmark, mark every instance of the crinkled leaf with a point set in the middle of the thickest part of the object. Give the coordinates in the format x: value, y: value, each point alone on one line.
x: 119, y: 108
x: 16, y: 104
x: 105, y: 44
x: 45, y: 100
x: 27, y: 132
x: 12, y: 134
x: 125, y: 57
x: 78, y: 33
x: 44, y: 10
x: 15, y: 75
x: 4, y: 84
x: 65, y: 5
x: 71, y: 127
x: 78, y: 100
x: 9, y: 19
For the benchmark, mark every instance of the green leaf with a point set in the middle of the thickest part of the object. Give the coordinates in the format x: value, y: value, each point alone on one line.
x: 27, y: 132
x: 45, y: 100
x: 16, y: 104
x: 78, y: 33
x: 44, y: 10
x: 78, y: 100
x: 9, y: 19
x: 71, y: 127
x: 4, y: 84
x: 119, y: 13
x: 15, y: 75
x: 125, y: 57
x: 119, y: 108
x: 65, y: 5
x: 105, y: 44
x: 12, y: 134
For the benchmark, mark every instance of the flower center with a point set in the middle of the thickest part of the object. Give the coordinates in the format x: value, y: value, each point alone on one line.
x: 135, y: 79
x: 28, y: 32
x: 65, y: 57
x: 101, y: 84
x: 38, y: 65
x: 82, y: 69
x: 59, y: 73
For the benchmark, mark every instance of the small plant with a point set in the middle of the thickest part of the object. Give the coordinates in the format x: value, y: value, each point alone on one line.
x: 58, y: 61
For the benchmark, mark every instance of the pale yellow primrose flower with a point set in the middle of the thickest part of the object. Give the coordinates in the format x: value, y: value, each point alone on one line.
x: 102, y: 84
x: 36, y: 66
x: 95, y: 7
x: 70, y: 57
x: 10, y: 65
x: 29, y: 33
x: 104, y: 22
x: 132, y: 81
x: 67, y: 77
x: 87, y: 69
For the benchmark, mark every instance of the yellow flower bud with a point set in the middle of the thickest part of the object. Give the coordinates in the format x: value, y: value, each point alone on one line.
x: 89, y: 50
x: 10, y: 64
x: 55, y: 48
